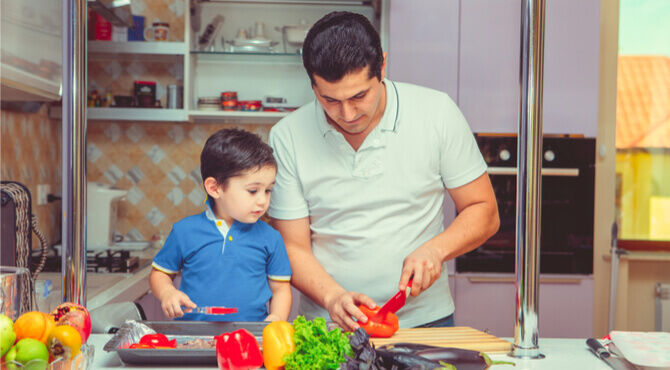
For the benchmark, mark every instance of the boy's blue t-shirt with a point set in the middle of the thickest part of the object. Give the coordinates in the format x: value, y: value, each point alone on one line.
x: 230, y: 270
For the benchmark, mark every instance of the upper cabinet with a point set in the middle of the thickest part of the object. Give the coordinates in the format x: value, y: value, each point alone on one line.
x: 30, y: 63
x: 249, y: 48
x: 479, y: 68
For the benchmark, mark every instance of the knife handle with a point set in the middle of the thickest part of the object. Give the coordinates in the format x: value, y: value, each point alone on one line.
x: 598, y: 348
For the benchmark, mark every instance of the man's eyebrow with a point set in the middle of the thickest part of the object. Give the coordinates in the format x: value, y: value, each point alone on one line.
x: 353, y: 96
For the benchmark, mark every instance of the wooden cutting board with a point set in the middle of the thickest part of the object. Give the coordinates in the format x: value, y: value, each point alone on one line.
x: 458, y: 337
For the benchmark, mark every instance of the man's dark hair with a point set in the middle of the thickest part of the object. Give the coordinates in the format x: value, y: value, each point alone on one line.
x: 341, y: 43
x: 230, y: 152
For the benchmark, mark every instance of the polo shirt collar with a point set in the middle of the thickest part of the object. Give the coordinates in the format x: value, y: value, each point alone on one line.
x: 223, y: 227
x: 388, y: 122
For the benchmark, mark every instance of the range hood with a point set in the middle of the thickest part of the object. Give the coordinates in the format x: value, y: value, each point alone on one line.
x: 117, y: 12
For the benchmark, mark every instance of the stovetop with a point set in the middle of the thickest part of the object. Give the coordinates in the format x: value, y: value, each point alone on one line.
x: 109, y: 260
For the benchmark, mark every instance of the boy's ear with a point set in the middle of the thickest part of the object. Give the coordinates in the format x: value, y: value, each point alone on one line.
x: 212, y: 187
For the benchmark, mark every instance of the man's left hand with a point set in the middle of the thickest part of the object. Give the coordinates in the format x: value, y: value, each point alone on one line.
x: 424, y: 265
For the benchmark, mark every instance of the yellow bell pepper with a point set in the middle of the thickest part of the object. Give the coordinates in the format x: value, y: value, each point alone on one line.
x: 277, y: 342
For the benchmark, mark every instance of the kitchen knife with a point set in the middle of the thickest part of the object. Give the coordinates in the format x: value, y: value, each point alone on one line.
x: 213, y: 310
x: 393, y: 304
x: 615, y: 362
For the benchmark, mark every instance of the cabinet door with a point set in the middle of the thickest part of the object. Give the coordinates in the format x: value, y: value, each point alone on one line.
x: 488, y: 304
x: 489, y: 65
x: 423, y: 44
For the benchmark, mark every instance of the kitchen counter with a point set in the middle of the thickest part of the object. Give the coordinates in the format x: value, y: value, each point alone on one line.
x: 560, y: 354
x: 103, y: 288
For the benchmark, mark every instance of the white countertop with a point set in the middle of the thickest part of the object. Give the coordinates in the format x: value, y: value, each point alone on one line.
x: 103, y: 288
x: 559, y: 354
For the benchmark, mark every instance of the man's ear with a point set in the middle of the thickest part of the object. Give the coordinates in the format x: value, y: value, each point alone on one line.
x: 212, y: 187
x: 383, y: 74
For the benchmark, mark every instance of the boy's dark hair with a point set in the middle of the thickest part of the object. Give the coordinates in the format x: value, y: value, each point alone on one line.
x: 230, y: 152
x: 340, y: 43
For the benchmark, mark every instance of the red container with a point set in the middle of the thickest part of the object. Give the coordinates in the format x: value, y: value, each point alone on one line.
x: 250, y: 105
x: 103, y: 29
x: 145, y: 93
x: 229, y: 100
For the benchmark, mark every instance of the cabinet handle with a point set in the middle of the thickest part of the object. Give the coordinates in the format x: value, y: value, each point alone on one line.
x: 543, y: 280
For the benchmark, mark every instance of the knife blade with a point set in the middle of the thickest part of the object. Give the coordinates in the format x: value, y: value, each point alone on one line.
x: 615, y: 362
x: 393, y: 304
x: 213, y: 310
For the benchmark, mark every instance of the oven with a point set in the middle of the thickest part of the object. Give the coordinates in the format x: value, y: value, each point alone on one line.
x: 568, y: 175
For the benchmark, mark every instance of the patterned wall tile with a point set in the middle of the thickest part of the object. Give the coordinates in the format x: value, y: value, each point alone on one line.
x: 30, y: 154
x: 160, y: 165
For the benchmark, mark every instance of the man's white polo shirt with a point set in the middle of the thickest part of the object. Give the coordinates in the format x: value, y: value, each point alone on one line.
x: 369, y: 209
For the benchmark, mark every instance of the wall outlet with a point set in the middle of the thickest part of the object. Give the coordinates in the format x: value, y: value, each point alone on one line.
x: 42, y: 192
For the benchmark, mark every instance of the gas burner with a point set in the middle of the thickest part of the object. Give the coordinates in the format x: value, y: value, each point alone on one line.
x: 109, y: 260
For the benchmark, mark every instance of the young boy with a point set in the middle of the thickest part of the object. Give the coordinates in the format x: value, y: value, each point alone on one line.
x: 226, y: 255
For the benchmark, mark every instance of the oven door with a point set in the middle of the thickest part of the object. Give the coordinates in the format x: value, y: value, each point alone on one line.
x: 566, y: 240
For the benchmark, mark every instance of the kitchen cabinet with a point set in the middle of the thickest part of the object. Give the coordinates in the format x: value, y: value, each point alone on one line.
x: 470, y: 50
x: 275, y: 73
x: 487, y: 302
x: 253, y: 75
x: 30, y: 66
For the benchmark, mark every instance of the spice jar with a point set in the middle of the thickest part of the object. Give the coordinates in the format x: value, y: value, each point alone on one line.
x: 229, y: 100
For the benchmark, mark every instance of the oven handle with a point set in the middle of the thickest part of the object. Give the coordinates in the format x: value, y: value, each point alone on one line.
x: 512, y: 171
x: 543, y: 280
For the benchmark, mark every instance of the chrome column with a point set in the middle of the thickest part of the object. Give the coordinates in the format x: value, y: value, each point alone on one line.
x: 529, y: 180
x: 74, y: 152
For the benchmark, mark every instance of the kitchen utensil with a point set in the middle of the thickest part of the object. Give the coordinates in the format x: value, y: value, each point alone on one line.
x: 294, y: 35
x: 645, y: 349
x: 174, y: 97
x: 604, y: 354
x: 214, y: 310
x: 457, y: 337
x: 393, y: 304
x: 12, y: 282
x: 158, y: 31
x: 182, y: 331
x: 101, y: 208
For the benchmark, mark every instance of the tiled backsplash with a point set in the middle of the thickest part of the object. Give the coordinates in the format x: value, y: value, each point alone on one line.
x: 31, y: 155
x: 159, y: 165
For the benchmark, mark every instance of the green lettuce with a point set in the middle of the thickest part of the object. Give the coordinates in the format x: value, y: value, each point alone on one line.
x: 316, y: 347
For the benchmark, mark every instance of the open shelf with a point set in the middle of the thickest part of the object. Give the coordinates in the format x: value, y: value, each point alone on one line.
x: 237, y: 117
x: 136, y: 114
x: 137, y: 47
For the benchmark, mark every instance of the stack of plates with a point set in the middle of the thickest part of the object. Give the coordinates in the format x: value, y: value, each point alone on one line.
x: 209, y: 103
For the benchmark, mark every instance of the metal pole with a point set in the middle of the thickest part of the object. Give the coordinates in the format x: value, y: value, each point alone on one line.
x: 529, y: 180
x: 74, y: 152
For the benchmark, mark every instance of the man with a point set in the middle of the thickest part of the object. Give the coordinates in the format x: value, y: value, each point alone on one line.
x: 361, y: 182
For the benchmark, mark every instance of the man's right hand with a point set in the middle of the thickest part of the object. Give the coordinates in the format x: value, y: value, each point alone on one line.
x: 343, y: 305
x: 172, y: 302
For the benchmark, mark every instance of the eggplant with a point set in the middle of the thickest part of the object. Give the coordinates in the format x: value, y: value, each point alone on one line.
x: 406, y: 361
x: 462, y: 359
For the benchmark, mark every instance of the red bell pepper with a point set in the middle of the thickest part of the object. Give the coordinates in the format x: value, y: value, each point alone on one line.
x: 383, y: 328
x: 158, y: 340
x: 238, y: 350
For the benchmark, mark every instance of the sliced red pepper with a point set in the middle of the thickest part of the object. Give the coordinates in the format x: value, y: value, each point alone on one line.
x: 158, y: 340
x: 238, y: 350
x: 383, y: 328
x: 140, y: 346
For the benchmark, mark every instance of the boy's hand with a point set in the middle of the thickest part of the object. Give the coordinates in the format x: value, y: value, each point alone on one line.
x: 173, y: 300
